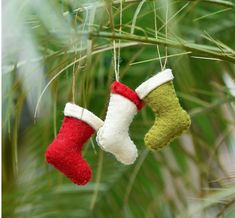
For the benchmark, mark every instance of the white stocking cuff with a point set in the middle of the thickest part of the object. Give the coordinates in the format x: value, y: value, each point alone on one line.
x: 73, y: 110
x: 146, y: 87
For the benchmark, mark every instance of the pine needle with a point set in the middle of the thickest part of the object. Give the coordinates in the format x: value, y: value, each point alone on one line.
x: 154, y: 59
x: 211, y: 14
x: 136, y: 15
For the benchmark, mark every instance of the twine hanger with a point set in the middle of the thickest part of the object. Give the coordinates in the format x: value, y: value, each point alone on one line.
x: 163, y: 66
x: 116, y: 55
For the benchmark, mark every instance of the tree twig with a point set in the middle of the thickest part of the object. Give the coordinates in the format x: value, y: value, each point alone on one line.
x: 226, y: 206
x: 196, y: 49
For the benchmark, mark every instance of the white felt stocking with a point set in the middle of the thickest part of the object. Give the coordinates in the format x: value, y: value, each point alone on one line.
x: 113, y: 136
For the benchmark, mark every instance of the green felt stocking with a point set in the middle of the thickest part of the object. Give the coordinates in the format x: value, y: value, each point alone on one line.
x: 171, y: 120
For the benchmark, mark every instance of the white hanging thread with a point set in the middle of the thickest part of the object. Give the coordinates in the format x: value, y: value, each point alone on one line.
x: 163, y: 66
x: 116, y: 56
x: 156, y: 34
x: 120, y: 31
x: 79, y: 63
x: 116, y: 67
x: 166, y: 33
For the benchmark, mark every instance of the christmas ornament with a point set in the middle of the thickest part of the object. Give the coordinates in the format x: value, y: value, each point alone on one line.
x: 171, y: 120
x: 65, y: 152
x: 113, y: 136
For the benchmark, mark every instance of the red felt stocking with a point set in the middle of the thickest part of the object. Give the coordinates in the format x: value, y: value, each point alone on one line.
x: 65, y: 152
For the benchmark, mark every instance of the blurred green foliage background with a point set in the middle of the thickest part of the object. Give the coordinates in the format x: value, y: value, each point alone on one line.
x: 60, y: 51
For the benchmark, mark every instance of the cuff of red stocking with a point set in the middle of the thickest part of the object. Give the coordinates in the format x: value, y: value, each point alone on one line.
x: 73, y: 110
x: 125, y: 91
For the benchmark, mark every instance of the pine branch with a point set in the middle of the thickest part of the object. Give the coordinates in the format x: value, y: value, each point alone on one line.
x: 216, y: 2
x: 196, y: 49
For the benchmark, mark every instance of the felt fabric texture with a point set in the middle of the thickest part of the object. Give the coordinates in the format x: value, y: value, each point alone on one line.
x: 149, y: 85
x: 128, y: 93
x: 113, y: 136
x: 73, y: 110
x: 65, y: 152
x: 171, y: 120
